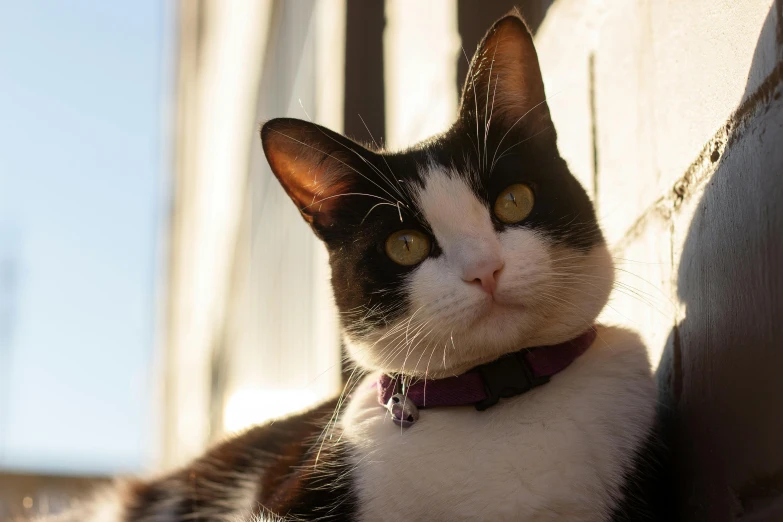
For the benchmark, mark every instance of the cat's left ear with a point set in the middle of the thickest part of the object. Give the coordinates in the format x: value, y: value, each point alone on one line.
x: 315, y: 166
x: 504, y: 83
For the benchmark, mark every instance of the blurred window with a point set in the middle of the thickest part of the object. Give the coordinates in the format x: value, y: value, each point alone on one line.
x: 80, y: 164
x: 291, y: 357
x: 251, y: 331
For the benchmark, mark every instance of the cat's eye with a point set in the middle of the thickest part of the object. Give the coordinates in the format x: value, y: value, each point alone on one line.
x: 407, y: 247
x: 514, y: 204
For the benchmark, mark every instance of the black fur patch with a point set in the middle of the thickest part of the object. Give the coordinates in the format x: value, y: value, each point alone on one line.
x: 647, y: 491
x: 267, y: 470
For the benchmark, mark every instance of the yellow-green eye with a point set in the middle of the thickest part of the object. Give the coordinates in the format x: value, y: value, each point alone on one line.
x: 514, y: 204
x: 407, y: 247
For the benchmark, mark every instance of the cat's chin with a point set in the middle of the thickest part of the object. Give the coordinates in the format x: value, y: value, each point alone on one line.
x: 503, y: 306
x: 495, y: 329
x: 495, y: 316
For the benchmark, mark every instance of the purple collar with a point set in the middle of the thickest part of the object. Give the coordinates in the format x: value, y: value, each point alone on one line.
x: 485, y: 385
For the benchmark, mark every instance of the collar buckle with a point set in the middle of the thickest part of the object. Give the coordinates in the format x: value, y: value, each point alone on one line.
x: 506, y: 377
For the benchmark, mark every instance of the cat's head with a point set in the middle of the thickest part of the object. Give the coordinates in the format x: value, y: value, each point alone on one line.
x: 472, y: 244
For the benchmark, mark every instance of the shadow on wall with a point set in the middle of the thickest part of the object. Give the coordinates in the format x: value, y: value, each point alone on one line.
x: 721, y: 374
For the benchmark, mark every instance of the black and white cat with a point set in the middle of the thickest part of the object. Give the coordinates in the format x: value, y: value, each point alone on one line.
x: 465, y: 264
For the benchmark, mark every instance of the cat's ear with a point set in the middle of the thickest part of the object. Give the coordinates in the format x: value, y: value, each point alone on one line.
x: 314, y: 165
x: 504, y: 83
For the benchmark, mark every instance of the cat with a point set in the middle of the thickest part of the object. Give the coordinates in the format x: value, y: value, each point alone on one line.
x: 470, y: 265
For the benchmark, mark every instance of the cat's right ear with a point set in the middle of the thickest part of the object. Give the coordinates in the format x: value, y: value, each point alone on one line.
x: 315, y: 166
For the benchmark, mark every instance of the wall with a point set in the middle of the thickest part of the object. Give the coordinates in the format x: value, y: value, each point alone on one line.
x: 670, y: 113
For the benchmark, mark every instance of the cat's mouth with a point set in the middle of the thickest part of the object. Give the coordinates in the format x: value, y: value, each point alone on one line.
x: 495, y: 307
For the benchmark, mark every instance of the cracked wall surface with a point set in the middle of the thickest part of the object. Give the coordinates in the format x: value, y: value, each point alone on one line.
x: 670, y: 113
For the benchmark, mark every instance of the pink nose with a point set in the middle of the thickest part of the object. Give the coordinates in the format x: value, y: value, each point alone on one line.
x: 485, y: 273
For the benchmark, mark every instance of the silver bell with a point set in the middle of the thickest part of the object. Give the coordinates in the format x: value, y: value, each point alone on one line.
x: 404, y: 413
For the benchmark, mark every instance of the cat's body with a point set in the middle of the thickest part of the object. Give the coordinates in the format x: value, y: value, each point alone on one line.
x: 559, y: 452
x: 445, y: 257
x: 563, y: 452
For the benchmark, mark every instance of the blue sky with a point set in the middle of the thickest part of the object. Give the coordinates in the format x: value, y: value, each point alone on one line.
x: 81, y: 150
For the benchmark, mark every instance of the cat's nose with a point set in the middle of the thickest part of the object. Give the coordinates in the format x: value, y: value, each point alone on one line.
x: 484, y: 272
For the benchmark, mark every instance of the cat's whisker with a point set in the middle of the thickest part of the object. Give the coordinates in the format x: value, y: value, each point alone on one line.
x: 445, y: 347
x: 410, y: 347
x: 378, y: 205
x: 330, y: 424
x: 589, y: 324
x: 334, y: 157
x: 515, y: 124
x: 391, y: 172
x: 392, y: 350
x: 424, y: 351
x: 618, y: 286
x: 348, y: 194
x: 572, y: 289
x: 653, y: 286
x: 434, y: 345
x: 506, y: 151
x: 624, y: 260
x: 641, y: 294
x: 429, y: 361
x: 486, y: 103
x: 644, y: 297
x: 489, y: 121
x: 471, y: 74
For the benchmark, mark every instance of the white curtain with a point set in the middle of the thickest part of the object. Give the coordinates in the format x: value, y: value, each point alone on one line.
x: 250, y: 327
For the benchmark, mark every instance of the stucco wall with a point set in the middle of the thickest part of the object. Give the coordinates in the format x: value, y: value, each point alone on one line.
x: 671, y: 115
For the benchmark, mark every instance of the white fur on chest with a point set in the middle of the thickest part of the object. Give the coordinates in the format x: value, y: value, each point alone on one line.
x: 558, y: 452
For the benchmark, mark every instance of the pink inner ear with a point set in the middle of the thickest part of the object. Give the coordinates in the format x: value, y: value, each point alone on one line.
x: 315, y: 166
x: 314, y: 180
x: 321, y: 200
